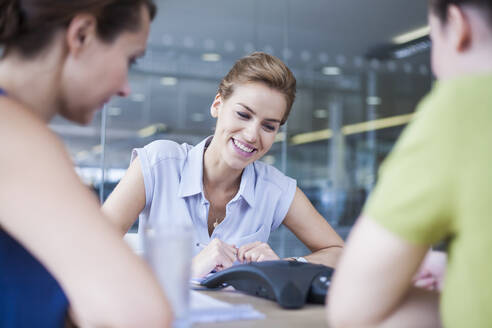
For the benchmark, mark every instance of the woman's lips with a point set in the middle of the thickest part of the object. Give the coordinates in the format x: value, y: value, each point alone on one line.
x: 243, y: 152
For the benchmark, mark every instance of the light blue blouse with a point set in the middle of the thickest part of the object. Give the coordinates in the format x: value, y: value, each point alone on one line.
x: 174, y: 194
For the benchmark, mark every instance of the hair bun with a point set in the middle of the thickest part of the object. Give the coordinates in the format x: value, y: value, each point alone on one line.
x: 10, y: 19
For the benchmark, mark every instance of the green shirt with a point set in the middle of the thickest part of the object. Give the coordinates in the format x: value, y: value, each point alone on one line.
x: 437, y: 184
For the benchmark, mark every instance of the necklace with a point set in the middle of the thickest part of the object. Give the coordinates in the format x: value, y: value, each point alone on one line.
x: 219, y: 216
x: 217, y: 222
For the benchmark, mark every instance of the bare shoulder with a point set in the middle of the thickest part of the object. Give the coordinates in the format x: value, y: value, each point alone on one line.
x: 24, y: 135
x: 33, y: 158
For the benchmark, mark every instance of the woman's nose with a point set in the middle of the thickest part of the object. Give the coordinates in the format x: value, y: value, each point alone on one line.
x: 124, y: 90
x: 251, y: 132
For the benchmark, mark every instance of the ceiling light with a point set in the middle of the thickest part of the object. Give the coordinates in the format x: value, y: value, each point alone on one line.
x: 412, y: 35
x: 97, y: 149
x: 393, y: 51
x: 280, y: 137
x: 378, y: 124
x: 169, y: 81
x: 330, y: 70
x: 311, y: 136
x: 269, y: 159
x: 320, y: 113
x: 211, y: 57
x: 137, y: 97
x: 373, y: 101
x: 305, y: 55
x: 167, y: 40
x: 418, y: 46
x: 82, y: 155
x: 197, y: 117
x: 114, y: 111
x: 151, y: 130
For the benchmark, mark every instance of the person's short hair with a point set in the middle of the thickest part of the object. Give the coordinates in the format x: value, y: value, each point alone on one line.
x: 28, y: 26
x: 440, y: 7
x: 264, y: 68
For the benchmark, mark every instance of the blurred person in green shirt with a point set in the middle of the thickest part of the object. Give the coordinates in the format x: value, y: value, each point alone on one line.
x: 435, y: 185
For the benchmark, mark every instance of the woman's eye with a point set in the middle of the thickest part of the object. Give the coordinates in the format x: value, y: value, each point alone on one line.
x: 243, y: 115
x: 269, y: 127
x: 132, y: 62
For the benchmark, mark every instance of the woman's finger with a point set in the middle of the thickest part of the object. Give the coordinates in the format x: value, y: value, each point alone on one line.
x: 230, y: 253
x: 245, y: 248
x: 426, y: 283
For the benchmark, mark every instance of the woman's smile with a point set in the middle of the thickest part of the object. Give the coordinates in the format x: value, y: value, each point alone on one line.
x: 242, y: 148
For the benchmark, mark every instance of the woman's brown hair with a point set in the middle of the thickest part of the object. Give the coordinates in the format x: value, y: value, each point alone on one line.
x: 264, y: 68
x: 440, y: 7
x: 28, y: 26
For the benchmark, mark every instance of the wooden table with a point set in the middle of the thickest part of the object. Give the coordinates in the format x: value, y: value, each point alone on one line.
x: 311, y: 315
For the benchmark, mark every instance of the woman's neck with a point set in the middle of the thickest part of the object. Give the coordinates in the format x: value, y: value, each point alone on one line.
x: 33, y: 83
x: 217, y: 175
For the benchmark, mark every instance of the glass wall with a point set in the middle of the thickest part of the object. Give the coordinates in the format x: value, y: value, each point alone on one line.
x: 350, y: 106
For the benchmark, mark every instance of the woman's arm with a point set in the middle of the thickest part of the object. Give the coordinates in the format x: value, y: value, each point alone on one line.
x: 47, y: 209
x: 372, y: 286
x: 127, y: 200
x: 314, y: 231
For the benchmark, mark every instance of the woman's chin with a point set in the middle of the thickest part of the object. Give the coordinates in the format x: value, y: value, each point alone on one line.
x: 239, y: 163
x: 80, y: 117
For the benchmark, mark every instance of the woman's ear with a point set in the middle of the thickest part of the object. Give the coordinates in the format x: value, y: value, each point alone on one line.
x: 80, y: 32
x: 214, y: 108
x: 459, y: 29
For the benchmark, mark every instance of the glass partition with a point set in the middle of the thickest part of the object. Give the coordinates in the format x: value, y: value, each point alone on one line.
x: 349, y: 111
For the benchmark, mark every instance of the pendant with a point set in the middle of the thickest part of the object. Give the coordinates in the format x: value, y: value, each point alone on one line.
x: 216, y: 223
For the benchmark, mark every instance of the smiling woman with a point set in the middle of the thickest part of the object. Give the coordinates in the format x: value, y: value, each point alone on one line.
x: 233, y: 200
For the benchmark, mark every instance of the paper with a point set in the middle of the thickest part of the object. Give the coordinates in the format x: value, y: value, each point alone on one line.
x: 196, y: 283
x: 204, y: 308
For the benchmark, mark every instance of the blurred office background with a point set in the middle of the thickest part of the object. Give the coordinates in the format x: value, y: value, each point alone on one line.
x: 360, y: 76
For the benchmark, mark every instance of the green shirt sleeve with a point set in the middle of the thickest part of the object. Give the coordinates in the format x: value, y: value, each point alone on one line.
x: 413, y: 195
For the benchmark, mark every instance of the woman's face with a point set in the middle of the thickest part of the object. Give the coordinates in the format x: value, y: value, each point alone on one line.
x: 100, y: 71
x: 247, y: 122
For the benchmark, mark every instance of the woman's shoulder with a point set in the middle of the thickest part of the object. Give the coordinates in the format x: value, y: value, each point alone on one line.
x: 271, y: 175
x: 12, y: 109
x: 161, y: 150
x: 22, y: 128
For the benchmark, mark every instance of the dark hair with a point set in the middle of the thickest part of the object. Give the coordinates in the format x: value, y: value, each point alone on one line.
x: 265, y: 68
x: 440, y: 7
x: 28, y: 26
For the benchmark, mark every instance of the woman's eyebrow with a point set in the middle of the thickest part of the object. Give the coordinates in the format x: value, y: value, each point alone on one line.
x: 254, y: 113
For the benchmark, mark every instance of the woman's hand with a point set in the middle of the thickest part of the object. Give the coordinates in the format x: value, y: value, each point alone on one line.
x: 256, y: 252
x: 431, y: 273
x: 217, y: 255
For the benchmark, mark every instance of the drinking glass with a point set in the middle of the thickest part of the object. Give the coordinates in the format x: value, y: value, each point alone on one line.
x: 168, y: 250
